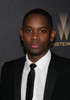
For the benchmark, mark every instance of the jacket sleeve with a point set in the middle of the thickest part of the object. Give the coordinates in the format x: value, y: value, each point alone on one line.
x: 6, y: 83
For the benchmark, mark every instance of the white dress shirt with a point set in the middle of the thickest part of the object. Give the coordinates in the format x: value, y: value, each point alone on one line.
x: 40, y: 76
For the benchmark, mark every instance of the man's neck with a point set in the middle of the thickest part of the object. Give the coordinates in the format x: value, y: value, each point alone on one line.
x: 35, y: 58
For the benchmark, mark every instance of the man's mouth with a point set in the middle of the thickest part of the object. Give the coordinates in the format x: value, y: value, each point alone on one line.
x: 35, y: 46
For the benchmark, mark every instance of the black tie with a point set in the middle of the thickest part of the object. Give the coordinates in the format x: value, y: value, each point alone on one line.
x: 30, y: 82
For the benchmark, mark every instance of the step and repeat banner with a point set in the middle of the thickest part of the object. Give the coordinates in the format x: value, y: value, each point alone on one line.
x: 11, y: 16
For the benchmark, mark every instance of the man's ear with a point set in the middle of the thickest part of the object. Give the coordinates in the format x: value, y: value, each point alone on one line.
x: 53, y: 35
x: 21, y: 34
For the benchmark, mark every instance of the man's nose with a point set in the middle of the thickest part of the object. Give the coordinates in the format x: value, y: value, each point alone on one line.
x: 35, y: 35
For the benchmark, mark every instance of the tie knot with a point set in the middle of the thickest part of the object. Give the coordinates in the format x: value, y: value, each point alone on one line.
x: 32, y: 66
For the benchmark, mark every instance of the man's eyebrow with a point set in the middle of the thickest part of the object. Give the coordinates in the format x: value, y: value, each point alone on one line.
x: 28, y: 26
x: 43, y: 27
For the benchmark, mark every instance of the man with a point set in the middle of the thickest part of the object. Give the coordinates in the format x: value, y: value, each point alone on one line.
x: 52, y: 73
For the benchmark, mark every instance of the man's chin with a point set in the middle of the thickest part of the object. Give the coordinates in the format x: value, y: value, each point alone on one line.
x: 35, y: 53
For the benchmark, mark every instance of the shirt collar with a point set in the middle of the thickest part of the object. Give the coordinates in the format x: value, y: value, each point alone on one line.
x: 28, y: 62
x: 42, y: 61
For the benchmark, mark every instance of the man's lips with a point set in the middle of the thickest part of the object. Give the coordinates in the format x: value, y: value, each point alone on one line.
x: 35, y: 45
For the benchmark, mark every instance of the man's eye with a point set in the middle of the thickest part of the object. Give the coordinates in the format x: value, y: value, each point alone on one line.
x: 42, y: 31
x: 28, y: 31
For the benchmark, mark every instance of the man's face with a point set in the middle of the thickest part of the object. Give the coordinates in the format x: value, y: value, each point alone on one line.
x: 37, y: 34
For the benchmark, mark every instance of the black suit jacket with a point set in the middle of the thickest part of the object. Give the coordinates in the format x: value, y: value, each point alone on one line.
x: 57, y: 85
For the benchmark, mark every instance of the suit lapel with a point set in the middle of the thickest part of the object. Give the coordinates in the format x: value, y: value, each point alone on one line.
x: 51, y: 79
x: 17, y: 79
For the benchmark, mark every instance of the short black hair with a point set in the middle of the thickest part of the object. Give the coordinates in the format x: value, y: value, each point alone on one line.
x: 39, y: 11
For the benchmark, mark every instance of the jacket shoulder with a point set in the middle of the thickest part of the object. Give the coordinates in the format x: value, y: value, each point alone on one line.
x: 15, y: 61
x: 9, y: 66
x: 61, y: 62
x: 61, y: 59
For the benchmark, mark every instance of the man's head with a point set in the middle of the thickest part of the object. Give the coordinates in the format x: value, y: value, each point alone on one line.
x: 37, y: 32
x: 41, y: 12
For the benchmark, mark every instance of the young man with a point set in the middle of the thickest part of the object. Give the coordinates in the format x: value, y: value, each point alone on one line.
x: 50, y: 79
